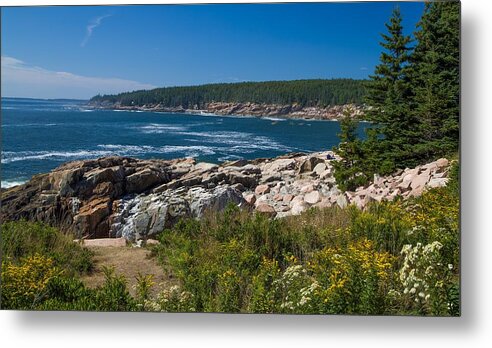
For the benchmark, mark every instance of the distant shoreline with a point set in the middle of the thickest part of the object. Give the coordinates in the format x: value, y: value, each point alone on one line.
x: 222, y: 109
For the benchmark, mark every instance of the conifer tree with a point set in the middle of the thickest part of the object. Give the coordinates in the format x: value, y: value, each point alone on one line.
x: 348, y: 170
x: 389, y: 97
x: 435, y: 80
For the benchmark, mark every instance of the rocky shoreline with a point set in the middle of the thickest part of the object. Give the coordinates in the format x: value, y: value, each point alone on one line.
x: 136, y: 199
x: 246, y: 109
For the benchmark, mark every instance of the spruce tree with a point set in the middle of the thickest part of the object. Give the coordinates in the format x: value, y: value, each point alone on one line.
x: 389, y: 97
x: 435, y: 80
x: 349, y: 172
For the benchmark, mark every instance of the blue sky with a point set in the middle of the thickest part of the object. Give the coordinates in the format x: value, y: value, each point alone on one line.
x: 80, y: 51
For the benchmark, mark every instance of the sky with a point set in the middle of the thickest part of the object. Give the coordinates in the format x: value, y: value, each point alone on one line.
x: 81, y: 51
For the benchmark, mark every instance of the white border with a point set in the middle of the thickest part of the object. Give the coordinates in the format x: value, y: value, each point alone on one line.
x: 473, y: 329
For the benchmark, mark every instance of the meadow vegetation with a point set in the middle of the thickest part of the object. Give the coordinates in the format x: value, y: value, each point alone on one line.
x: 399, y: 257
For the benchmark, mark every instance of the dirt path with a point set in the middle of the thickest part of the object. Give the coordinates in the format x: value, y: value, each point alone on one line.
x: 128, y: 262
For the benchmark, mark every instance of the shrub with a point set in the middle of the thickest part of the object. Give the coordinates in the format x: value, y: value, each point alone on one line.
x: 22, y: 239
x: 24, y: 285
x: 427, y: 282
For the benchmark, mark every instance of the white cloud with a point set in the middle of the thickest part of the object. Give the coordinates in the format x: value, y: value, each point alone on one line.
x: 20, y: 79
x: 90, y: 28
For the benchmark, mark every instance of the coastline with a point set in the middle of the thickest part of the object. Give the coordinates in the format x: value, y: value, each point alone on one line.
x: 267, y: 111
x: 136, y: 199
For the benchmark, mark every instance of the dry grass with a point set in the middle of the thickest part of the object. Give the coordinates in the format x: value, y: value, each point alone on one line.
x: 128, y: 262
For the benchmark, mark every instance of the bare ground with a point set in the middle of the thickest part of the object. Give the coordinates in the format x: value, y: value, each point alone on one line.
x: 128, y: 262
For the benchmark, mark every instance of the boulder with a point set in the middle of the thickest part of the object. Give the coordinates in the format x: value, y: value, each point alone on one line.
x: 144, y: 180
x: 307, y: 188
x: 245, y: 180
x: 309, y: 164
x: 319, y: 168
x: 342, y: 201
x: 278, y: 197
x: 217, y: 199
x: 325, y: 174
x: 312, y: 197
x: 250, y: 198
x: 437, y: 182
x: 287, y: 198
x: 298, y: 207
x: 203, y: 167
x: 420, y: 180
x: 325, y: 203
x: 262, y: 189
x: 266, y: 209
x: 279, y: 165
x: 442, y: 162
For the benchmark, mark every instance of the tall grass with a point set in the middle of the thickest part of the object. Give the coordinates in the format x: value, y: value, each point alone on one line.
x: 238, y: 261
x: 22, y: 238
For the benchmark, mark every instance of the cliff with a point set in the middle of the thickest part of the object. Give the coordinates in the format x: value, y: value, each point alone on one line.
x: 247, y: 109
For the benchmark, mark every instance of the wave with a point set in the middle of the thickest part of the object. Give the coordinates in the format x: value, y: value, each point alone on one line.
x: 187, y: 150
x: 9, y: 157
x: 240, y: 141
x: 155, y: 128
x: 30, y: 125
x: 229, y: 158
x: 11, y: 183
x: 274, y: 118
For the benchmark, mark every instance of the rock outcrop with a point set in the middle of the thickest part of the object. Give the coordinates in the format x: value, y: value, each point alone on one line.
x: 247, y: 109
x: 136, y: 199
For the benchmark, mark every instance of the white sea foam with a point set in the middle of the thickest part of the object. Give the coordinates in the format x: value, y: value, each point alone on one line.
x: 9, y: 157
x: 11, y: 183
x: 187, y: 150
x: 274, y: 119
x: 30, y: 125
x: 155, y: 128
x: 229, y: 158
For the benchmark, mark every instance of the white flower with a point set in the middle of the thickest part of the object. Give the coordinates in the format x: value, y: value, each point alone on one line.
x: 450, y: 266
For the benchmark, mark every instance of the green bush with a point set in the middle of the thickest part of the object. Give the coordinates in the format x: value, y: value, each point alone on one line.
x: 22, y: 239
x: 322, y: 261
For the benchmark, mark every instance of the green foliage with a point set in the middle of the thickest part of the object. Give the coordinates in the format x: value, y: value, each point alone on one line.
x: 412, y: 99
x: 348, y: 169
x: 35, y: 284
x: 24, y: 284
x: 389, y: 95
x: 22, y: 239
x: 170, y: 300
x: 322, y: 261
x: 332, y: 261
x: 300, y: 92
x: 436, y: 79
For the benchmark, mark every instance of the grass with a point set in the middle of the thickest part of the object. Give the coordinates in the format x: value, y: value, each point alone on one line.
x: 128, y: 262
x: 22, y: 239
x: 398, y: 257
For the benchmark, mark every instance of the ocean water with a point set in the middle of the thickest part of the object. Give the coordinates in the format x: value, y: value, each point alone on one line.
x: 39, y: 135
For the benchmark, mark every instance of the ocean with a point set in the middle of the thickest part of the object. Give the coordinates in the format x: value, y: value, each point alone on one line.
x: 39, y: 135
